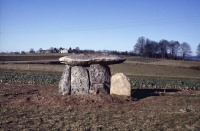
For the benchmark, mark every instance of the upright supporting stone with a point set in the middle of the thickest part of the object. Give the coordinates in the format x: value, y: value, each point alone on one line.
x: 79, y: 80
x: 99, y: 79
x: 120, y: 85
x: 65, y: 83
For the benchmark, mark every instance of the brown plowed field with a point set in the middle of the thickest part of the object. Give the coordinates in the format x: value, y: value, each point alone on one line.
x: 41, y: 107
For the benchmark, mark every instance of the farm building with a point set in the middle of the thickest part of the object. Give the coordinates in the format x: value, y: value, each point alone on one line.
x: 63, y: 51
x: 46, y: 51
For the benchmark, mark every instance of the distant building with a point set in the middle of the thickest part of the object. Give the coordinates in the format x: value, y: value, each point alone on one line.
x: 46, y: 51
x: 63, y: 51
x: 55, y: 51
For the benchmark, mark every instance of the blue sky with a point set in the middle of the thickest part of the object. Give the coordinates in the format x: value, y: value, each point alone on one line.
x: 96, y: 24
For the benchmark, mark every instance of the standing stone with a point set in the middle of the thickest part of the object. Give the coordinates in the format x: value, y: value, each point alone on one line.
x: 65, y: 83
x: 79, y: 80
x: 120, y: 85
x: 99, y: 79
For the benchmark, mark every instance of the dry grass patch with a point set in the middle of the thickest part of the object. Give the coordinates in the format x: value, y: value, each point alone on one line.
x: 163, y: 62
x: 154, y: 71
x: 33, y: 67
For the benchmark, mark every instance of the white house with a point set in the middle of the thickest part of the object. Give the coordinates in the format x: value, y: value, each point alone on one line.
x: 63, y: 51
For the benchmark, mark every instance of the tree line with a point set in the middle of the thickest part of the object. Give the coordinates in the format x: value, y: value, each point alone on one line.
x: 163, y: 49
x: 78, y: 50
x: 144, y: 47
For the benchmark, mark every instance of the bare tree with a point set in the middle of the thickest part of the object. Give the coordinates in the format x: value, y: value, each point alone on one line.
x: 40, y: 50
x: 51, y: 48
x: 151, y: 48
x: 139, y: 47
x: 154, y: 48
x: 77, y: 48
x: 23, y: 52
x: 60, y: 48
x: 148, y: 48
x: 198, y: 50
x: 173, y: 48
x: 185, y: 49
x: 70, y: 50
x: 55, y: 50
x: 32, y: 51
x: 163, y: 45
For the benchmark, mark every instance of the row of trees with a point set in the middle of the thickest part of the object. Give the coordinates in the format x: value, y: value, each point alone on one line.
x: 78, y: 50
x: 163, y: 49
x: 144, y: 47
x: 198, y: 50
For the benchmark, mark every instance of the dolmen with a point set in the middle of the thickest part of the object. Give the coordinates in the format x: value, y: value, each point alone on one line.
x: 87, y: 73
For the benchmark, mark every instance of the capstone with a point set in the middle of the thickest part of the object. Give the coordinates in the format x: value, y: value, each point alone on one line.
x: 89, y: 59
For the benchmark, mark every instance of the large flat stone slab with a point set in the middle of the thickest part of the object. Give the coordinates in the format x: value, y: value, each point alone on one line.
x: 88, y: 59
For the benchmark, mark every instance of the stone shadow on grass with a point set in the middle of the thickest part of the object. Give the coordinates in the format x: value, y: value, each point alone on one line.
x: 143, y: 93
